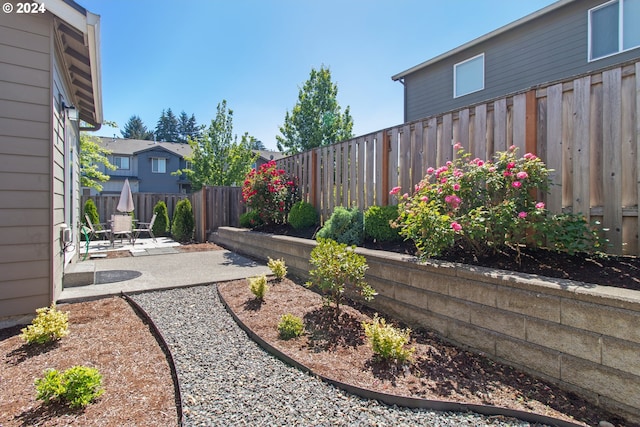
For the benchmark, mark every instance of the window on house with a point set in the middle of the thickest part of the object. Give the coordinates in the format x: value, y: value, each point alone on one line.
x: 613, y: 28
x: 468, y: 76
x: 121, y: 162
x: 158, y: 165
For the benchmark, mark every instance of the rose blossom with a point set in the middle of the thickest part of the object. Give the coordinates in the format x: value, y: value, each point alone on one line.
x: 522, y: 175
x: 394, y: 190
x: 522, y: 215
x: 456, y: 226
x: 540, y: 205
x: 516, y: 184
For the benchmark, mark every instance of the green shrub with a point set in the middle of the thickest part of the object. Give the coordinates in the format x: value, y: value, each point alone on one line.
x: 388, y: 342
x: 49, y: 325
x: 91, y: 211
x: 290, y: 326
x: 278, y: 268
x: 486, y: 206
x: 258, y: 286
x: 161, y: 224
x: 183, y: 222
x: 250, y: 219
x: 303, y: 215
x: 345, y: 226
x: 377, y: 223
x: 270, y: 191
x: 338, y: 266
x: 77, y: 386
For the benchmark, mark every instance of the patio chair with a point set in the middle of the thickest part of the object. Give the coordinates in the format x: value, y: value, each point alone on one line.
x: 93, y: 231
x: 145, y: 227
x: 121, y: 226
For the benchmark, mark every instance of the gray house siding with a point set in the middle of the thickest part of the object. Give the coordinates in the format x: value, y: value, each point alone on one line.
x: 150, y: 182
x: 545, y: 49
x: 25, y: 163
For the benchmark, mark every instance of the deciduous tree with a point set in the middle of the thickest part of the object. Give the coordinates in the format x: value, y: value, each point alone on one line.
x: 91, y: 156
x: 217, y: 157
x: 316, y: 118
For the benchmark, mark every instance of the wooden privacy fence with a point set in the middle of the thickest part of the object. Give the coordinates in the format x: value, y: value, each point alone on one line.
x: 213, y: 207
x: 586, y: 129
x: 143, y: 202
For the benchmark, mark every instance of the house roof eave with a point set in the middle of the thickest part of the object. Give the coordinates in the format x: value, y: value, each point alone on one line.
x: 558, y: 4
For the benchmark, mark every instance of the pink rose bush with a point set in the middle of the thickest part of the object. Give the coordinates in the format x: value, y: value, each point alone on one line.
x: 487, y: 205
x: 270, y: 192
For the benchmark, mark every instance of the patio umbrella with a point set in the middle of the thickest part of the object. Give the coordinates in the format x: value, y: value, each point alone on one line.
x: 125, y: 204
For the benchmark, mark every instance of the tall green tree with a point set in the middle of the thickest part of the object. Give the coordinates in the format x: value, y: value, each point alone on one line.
x: 316, y: 119
x: 187, y: 128
x: 256, y: 144
x: 167, y: 127
x: 135, y: 129
x: 217, y: 157
x: 91, y: 156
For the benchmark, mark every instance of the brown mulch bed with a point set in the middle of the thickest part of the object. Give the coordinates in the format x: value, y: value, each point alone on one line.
x: 105, y: 334
x: 616, y: 271
x: 440, y: 371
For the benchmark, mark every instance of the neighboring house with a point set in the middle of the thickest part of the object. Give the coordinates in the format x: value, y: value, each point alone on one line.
x: 565, y: 39
x: 49, y: 62
x: 147, y: 164
x: 265, y: 156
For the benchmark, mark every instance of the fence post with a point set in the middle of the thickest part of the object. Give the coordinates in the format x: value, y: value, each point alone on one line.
x: 386, y: 147
x: 531, y: 122
x: 314, y: 180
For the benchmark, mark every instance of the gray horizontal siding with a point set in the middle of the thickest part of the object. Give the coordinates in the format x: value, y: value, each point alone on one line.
x: 546, y: 49
x: 25, y: 163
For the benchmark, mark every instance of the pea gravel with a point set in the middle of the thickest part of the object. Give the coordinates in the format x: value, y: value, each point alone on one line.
x: 228, y: 380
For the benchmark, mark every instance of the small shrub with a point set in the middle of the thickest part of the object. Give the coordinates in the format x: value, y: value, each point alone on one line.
x: 338, y: 266
x: 77, y: 386
x: 161, y: 224
x: 258, y: 286
x: 91, y: 211
x: 377, y: 223
x: 278, y: 268
x: 183, y: 221
x: 303, y: 215
x: 270, y: 192
x: 49, y: 325
x: 290, y: 326
x: 388, y: 343
x: 250, y: 219
x: 344, y: 226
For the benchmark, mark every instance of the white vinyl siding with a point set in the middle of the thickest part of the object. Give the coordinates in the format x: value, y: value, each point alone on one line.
x: 158, y: 165
x: 613, y: 28
x: 468, y: 76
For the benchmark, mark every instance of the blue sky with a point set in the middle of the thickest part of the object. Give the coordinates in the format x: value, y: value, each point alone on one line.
x: 190, y: 55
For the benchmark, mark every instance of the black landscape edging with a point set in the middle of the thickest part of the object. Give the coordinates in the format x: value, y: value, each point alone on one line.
x: 390, y: 399
x: 165, y: 349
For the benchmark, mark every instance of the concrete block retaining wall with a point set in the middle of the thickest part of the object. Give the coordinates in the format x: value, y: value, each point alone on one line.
x: 584, y: 337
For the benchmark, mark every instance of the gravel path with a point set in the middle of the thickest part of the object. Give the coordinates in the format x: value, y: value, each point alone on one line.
x: 228, y: 380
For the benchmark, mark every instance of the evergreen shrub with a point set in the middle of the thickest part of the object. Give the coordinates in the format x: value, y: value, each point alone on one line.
x: 344, y: 226
x: 303, y: 215
x: 161, y: 224
x: 183, y: 221
x: 377, y: 223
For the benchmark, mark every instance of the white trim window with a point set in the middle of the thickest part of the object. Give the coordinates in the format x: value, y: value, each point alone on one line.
x: 613, y: 28
x: 121, y: 162
x: 158, y: 165
x: 468, y: 76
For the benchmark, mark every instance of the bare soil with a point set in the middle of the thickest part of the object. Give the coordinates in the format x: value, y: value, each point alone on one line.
x: 338, y: 349
x: 107, y: 335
